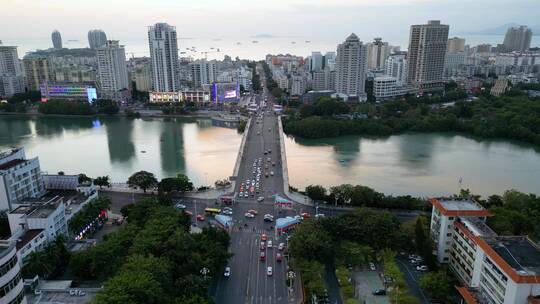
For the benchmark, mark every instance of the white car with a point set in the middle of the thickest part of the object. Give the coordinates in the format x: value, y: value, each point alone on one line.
x: 249, y: 215
x: 281, y: 246
x: 269, y: 271
x: 227, y: 272
x: 269, y: 244
x: 372, y: 266
x: 319, y: 215
x: 422, y: 268
x: 260, y: 199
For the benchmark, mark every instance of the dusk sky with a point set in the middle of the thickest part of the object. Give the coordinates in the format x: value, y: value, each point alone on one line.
x: 127, y: 19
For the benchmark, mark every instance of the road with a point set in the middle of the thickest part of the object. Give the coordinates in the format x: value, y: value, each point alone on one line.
x: 260, y: 164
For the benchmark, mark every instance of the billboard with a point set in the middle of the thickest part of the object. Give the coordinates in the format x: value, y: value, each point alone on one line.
x: 225, y: 92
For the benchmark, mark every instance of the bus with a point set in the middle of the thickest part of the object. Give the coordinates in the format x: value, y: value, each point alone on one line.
x: 212, y: 211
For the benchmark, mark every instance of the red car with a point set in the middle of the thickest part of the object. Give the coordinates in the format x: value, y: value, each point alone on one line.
x: 279, y: 257
x: 263, y: 256
x: 305, y: 215
x: 200, y: 217
x: 189, y: 213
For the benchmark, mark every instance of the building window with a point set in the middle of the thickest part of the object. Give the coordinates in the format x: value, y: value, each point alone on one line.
x: 8, y: 265
x: 10, y: 285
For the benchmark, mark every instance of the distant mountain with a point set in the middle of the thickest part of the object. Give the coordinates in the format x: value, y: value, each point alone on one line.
x: 263, y: 36
x: 499, y: 30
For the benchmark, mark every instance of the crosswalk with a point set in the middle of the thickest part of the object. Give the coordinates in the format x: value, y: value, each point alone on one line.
x: 250, y: 230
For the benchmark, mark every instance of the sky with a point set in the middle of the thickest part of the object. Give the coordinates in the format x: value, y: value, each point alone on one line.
x: 235, y: 19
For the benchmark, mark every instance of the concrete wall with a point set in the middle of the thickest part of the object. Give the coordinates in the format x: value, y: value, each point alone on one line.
x: 241, y: 153
x: 285, y: 172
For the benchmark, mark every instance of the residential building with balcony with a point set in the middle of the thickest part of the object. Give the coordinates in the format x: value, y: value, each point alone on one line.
x: 11, y: 282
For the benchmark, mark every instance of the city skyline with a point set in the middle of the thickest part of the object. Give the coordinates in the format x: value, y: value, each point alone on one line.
x: 226, y: 20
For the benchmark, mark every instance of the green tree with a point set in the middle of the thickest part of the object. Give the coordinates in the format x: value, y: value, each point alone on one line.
x: 316, y: 192
x: 82, y: 178
x: 438, y: 284
x: 180, y: 183
x: 311, y: 242
x: 102, y: 181
x: 143, y: 180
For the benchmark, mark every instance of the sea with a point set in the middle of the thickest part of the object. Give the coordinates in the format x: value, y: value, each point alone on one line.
x: 252, y: 48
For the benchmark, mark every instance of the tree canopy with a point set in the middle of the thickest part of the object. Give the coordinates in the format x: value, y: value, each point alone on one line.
x: 142, y: 179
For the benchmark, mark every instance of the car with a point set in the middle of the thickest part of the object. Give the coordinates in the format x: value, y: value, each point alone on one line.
x: 188, y: 212
x: 249, y: 215
x: 269, y: 271
x: 269, y: 244
x: 200, y: 217
x: 227, y: 212
x: 227, y: 272
x: 422, y: 268
x: 281, y: 246
x: 372, y: 266
x: 180, y: 206
x: 279, y: 257
x: 305, y: 215
x: 262, y: 257
x: 274, y: 164
x: 262, y: 246
x: 254, y: 212
x: 379, y: 292
x: 319, y: 215
x: 269, y: 151
x: 263, y: 237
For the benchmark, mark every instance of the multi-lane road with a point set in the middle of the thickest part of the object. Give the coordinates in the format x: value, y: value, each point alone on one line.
x: 260, y: 164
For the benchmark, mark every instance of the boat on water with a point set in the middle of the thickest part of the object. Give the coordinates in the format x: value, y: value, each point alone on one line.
x: 255, y: 41
x: 238, y: 43
x: 308, y: 41
x: 294, y: 42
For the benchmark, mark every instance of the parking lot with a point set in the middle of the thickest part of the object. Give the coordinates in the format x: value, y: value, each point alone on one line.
x: 368, y: 281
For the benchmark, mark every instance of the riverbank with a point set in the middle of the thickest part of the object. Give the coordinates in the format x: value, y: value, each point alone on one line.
x: 514, y: 118
x: 145, y: 113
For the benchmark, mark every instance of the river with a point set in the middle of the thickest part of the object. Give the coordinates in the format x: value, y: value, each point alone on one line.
x: 418, y: 164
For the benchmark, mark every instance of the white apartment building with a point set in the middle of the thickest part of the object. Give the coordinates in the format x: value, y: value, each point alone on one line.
x: 387, y: 87
x: 396, y: 66
x: 203, y: 72
x: 112, y: 71
x: 351, y: 68
x: 298, y: 85
x: 427, y: 49
x: 453, y: 62
x: 377, y: 52
x: 20, y: 178
x: 11, y: 281
x: 11, y: 79
x: 48, y: 215
x: 494, y: 269
x: 164, y: 54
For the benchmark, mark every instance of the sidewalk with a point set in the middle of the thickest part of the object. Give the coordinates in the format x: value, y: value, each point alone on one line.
x: 212, y: 193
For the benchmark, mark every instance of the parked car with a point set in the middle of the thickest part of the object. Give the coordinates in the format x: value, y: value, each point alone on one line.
x: 227, y: 272
x: 379, y: 292
x: 422, y: 268
x: 372, y: 266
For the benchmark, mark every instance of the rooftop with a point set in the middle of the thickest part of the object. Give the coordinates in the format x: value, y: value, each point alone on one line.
x: 12, y: 163
x: 459, y: 207
x: 478, y: 227
x: 43, y: 211
x: 518, y: 251
x: 27, y: 237
x: 5, y: 247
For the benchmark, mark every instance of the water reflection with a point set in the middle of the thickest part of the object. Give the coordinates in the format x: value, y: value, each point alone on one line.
x: 14, y: 130
x: 415, y: 151
x: 51, y: 127
x: 172, y: 147
x: 119, y: 139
